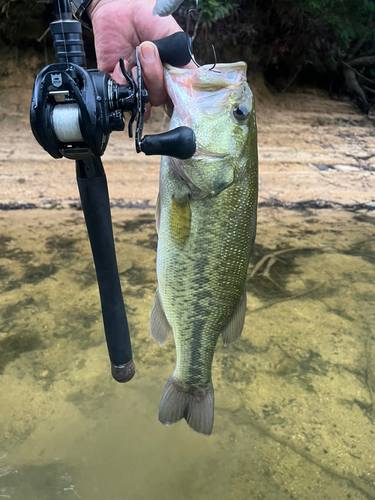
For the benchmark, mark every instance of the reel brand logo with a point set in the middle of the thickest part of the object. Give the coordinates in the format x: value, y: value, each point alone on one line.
x: 56, y: 80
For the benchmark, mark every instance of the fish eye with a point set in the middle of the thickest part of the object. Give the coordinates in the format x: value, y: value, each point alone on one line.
x: 240, y: 112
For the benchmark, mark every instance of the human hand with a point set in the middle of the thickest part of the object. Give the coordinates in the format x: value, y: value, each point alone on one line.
x: 119, y: 27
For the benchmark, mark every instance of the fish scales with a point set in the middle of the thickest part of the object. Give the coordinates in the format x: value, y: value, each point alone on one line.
x: 194, y: 282
x: 207, y: 220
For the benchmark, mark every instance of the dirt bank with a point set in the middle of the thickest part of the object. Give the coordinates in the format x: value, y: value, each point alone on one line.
x: 310, y: 147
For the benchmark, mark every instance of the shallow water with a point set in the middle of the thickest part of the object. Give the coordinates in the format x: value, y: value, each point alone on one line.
x: 294, y: 397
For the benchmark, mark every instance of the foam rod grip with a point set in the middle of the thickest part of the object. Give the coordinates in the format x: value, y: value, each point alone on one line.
x: 174, y: 49
x: 179, y: 143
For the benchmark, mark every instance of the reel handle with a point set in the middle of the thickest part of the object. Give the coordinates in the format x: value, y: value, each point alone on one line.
x: 179, y: 143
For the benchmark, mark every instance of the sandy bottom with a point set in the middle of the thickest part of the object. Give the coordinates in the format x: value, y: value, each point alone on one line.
x: 294, y: 396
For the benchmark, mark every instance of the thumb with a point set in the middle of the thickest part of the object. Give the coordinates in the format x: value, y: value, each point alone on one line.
x: 153, y: 75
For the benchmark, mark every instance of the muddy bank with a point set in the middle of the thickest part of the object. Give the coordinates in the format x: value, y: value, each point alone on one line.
x: 310, y: 147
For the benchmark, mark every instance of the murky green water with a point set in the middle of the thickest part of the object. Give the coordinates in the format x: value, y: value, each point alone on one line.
x: 295, y: 396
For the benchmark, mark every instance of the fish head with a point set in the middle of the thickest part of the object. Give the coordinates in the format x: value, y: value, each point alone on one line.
x: 218, y: 106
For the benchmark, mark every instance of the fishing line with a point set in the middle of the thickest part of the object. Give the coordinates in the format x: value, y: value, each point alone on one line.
x: 63, y: 34
x: 187, y: 37
x: 192, y: 39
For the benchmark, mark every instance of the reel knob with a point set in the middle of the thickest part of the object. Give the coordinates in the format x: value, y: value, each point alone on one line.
x: 179, y: 143
x: 175, y: 49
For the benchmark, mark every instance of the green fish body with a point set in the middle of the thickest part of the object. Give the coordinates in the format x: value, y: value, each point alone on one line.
x: 206, y: 220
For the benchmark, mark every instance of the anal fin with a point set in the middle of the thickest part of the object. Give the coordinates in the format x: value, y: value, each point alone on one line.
x: 160, y: 329
x: 232, y: 330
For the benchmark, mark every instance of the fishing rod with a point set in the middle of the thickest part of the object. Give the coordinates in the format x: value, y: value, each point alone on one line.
x: 73, y: 112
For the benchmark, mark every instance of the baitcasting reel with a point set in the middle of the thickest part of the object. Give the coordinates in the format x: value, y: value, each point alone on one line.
x: 73, y: 112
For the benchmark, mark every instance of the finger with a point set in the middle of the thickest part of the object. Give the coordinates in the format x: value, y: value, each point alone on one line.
x: 147, y: 114
x: 191, y: 65
x: 134, y: 73
x: 148, y: 27
x: 152, y: 73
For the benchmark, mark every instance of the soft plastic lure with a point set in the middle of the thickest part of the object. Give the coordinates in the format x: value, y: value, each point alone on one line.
x: 164, y: 8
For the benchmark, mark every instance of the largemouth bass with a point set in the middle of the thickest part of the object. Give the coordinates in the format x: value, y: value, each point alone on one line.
x: 206, y: 221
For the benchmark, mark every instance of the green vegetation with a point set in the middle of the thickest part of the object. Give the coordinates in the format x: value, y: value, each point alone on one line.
x: 328, y: 42
x: 350, y: 19
x: 212, y: 10
x: 23, y: 21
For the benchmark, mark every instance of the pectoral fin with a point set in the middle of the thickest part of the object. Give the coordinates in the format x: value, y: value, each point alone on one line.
x: 160, y: 329
x: 210, y: 177
x: 157, y: 214
x: 180, y: 221
x: 232, y: 331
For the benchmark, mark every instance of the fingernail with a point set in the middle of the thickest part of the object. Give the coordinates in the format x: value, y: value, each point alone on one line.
x: 148, y: 52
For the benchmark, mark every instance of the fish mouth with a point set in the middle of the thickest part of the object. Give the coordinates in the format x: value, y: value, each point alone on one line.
x: 239, y: 65
x: 202, y: 153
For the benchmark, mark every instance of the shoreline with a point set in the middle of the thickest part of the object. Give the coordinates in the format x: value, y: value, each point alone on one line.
x: 314, y: 152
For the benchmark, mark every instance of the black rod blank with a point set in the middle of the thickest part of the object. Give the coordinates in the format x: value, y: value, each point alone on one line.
x: 93, y: 189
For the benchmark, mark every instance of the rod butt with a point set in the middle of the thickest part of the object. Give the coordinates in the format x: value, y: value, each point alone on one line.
x: 123, y: 373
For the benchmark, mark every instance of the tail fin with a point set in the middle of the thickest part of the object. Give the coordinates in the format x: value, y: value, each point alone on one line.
x: 197, y: 408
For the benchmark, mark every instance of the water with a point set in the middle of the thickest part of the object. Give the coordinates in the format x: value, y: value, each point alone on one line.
x: 295, y: 396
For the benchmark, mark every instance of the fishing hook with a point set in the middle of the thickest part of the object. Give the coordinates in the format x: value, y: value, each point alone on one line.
x: 190, y: 44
